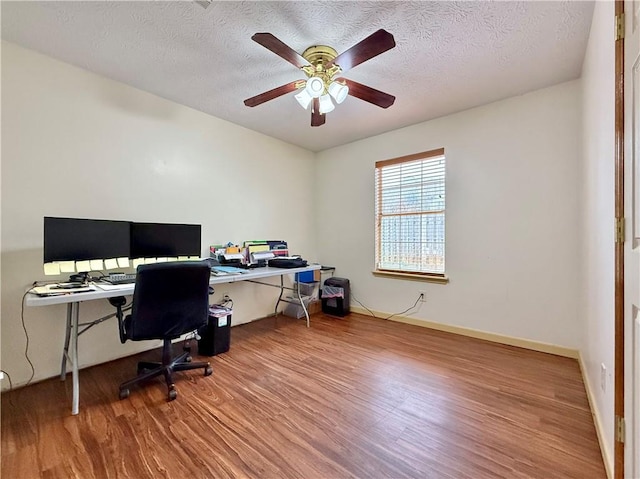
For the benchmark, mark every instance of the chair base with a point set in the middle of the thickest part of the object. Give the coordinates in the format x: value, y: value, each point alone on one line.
x: 148, y: 370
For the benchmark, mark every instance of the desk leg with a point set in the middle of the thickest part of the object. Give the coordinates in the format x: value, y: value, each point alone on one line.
x: 279, y: 297
x: 304, y: 308
x: 65, y: 351
x: 75, y: 406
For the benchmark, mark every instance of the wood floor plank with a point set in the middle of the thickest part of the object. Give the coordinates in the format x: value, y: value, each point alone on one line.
x: 347, y: 398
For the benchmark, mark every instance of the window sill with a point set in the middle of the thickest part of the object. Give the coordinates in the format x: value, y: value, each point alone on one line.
x: 427, y: 278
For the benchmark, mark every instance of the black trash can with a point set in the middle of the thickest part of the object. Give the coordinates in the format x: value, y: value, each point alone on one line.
x: 215, y: 336
x: 337, y: 305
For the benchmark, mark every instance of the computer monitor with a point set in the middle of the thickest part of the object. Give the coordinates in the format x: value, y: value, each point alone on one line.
x: 75, y: 239
x: 161, y: 240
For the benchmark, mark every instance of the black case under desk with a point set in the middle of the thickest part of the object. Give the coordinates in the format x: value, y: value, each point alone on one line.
x: 337, y: 306
x: 215, y: 337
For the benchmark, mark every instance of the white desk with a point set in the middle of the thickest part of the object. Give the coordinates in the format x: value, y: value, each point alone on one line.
x: 73, y: 300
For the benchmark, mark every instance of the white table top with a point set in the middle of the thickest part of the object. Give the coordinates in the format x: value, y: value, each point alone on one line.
x: 127, y: 289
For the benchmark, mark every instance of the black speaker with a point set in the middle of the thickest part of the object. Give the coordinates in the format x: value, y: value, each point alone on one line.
x: 215, y: 337
x: 337, y: 306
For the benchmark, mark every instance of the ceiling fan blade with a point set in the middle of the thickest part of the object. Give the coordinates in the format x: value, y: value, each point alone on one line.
x: 366, y: 93
x: 271, y: 94
x: 375, y: 44
x: 317, y: 119
x: 270, y: 42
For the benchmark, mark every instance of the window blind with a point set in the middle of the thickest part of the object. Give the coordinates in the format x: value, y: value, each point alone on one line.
x: 410, y: 213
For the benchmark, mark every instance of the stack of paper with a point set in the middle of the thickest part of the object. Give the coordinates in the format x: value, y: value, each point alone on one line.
x: 61, y: 288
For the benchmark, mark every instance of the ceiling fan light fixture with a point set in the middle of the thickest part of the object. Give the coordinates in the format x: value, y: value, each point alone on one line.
x: 304, y: 98
x: 321, y: 64
x: 326, y: 105
x: 338, y: 91
x: 315, y: 87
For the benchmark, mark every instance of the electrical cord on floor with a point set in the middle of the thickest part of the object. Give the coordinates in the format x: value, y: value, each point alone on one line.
x: 356, y: 300
x: 391, y: 316
x: 26, y: 335
x: 8, y: 378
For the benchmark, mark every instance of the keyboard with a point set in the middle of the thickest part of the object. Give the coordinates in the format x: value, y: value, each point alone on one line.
x: 120, y: 278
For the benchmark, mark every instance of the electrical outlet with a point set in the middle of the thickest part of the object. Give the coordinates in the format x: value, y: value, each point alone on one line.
x: 226, y: 297
x: 423, y: 296
x: 603, y: 377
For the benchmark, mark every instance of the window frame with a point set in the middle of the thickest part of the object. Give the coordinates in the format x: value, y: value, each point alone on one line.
x: 436, y: 277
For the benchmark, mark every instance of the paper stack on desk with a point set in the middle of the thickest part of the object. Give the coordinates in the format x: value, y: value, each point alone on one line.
x: 57, y: 289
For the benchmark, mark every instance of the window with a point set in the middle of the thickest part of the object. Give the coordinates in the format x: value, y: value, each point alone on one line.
x: 410, y: 214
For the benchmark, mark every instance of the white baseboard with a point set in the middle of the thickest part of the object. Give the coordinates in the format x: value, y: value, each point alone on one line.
x: 474, y: 333
x: 606, y: 453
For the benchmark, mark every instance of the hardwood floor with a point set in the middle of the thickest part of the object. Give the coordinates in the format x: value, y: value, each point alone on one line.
x: 352, y: 397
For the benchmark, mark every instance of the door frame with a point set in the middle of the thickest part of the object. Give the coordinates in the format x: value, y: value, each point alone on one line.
x: 619, y: 319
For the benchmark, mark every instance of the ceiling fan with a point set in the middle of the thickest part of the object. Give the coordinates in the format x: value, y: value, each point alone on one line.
x: 322, y: 65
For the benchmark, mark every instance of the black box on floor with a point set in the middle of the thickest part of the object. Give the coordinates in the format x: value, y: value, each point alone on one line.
x: 215, y: 337
x: 337, y: 306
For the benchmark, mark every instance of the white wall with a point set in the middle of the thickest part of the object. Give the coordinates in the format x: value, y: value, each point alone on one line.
x: 596, y: 229
x: 79, y: 145
x: 512, y: 217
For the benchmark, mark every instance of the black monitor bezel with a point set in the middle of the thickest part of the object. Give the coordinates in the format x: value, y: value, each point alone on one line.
x: 165, y: 240
x: 80, y: 239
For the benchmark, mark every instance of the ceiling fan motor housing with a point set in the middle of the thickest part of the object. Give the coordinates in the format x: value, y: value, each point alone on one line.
x: 318, y: 56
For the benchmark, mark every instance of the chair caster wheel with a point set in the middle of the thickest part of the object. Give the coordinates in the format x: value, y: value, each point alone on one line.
x: 208, y: 371
x: 172, y: 394
x: 124, y: 393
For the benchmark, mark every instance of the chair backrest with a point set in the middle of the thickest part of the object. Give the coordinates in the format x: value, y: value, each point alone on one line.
x: 169, y: 299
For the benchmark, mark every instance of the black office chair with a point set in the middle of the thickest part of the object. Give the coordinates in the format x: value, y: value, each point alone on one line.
x: 169, y: 299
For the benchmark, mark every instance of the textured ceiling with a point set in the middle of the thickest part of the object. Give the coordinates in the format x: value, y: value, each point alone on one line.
x: 450, y: 56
